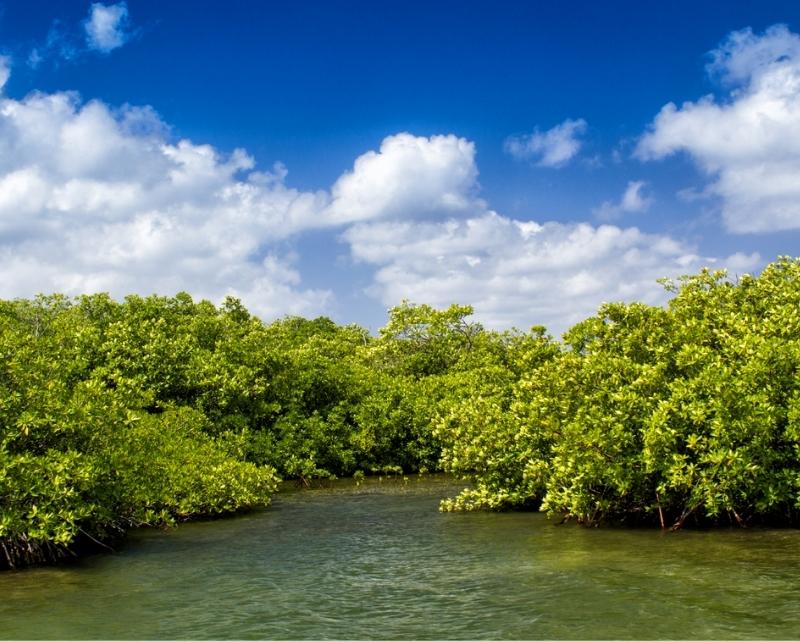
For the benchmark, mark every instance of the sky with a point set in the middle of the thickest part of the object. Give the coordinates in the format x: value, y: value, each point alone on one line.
x: 533, y: 160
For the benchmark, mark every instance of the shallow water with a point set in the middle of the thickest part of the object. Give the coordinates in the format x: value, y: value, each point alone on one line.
x: 379, y: 561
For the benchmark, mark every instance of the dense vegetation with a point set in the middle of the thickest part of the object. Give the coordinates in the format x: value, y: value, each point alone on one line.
x: 153, y: 410
x: 649, y: 414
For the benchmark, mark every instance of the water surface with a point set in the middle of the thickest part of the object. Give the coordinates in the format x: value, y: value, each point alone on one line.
x: 379, y: 561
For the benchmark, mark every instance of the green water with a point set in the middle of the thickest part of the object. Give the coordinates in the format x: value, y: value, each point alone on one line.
x: 379, y: 561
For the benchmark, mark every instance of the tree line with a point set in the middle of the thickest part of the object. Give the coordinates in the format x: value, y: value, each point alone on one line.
x: 156, y: 409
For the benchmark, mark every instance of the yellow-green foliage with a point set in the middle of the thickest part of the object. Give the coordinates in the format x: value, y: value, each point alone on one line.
x: 651, y: 414
x: 156, y: 409
x: 153, y: 410
x: 103, y: 424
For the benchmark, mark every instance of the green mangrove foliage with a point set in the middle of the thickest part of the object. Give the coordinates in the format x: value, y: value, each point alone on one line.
x: 154, y: 410
x: 89, y: 447
x: 647, y: 414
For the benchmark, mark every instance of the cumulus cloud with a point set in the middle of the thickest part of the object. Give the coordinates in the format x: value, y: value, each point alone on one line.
x: 749, y: 144
x: 408, y: 176
x: 518, y: 273
x: 514, y: 272
x: 552, y: 148
x: 95, y: 198
x: 633, y: 201
x: 743, y: 53
x: 107, y: 26
x: 99, y: 199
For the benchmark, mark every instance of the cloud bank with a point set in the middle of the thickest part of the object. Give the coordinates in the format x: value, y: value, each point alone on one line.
x: 520, y: 273
x: 94, y: 199
x: 749, y: 143
x: 97, y: 198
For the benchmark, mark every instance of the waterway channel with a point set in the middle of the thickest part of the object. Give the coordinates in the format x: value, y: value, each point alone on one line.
x: 379, y: 561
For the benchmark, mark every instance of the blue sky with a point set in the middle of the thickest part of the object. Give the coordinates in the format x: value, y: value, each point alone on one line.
x: 520, y: 157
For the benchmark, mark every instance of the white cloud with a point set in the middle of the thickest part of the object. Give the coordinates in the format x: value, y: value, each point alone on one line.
x: 633, y: 201
x: 513, y: 272
x: 93, y: 198
x: 750, y: 143
x: 408, y: 176
x: 106, y: 26
x: 744, y: 54
x: 519, y: 273
x: 552, y: 148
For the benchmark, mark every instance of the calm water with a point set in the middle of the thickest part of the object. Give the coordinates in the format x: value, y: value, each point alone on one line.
x: 379, y: 561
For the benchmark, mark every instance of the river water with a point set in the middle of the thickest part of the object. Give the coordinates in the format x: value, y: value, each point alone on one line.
x: 379, y: 561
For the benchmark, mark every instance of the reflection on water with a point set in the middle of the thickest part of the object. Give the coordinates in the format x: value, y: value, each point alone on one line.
x: 379, y: 561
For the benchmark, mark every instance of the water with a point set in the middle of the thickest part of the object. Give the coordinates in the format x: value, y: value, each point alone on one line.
x: 379, y: 561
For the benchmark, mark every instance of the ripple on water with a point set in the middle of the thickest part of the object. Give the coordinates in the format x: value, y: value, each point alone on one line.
x: 379, y: 561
